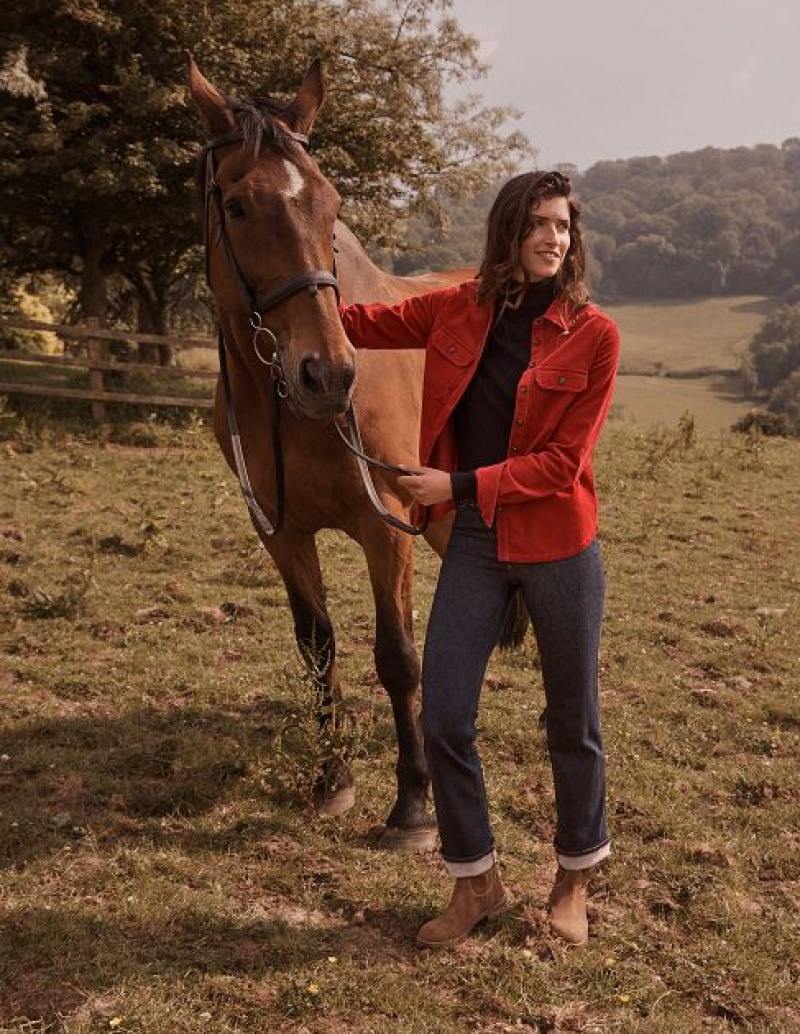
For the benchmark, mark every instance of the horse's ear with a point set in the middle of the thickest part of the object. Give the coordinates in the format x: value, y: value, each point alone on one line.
x: 213, y: 107
x: 303, y: 109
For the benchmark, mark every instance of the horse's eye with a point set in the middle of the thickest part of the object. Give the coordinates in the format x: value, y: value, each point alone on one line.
x: 234, y: 210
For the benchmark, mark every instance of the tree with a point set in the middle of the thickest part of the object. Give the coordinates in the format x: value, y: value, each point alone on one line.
x: 452, y: 239
x: 642, y: 266
x: 773, y: 354
x: 98, y: 143
x: 785, y: 401
x: 790, y: 149
x: 786, y: 271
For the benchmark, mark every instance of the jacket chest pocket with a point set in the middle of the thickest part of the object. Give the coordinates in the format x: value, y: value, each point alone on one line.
x: 556, y: 390
x: 566, y: 381
x: 447, y: 363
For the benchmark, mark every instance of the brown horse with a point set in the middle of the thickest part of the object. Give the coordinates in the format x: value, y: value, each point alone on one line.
x: 272, y: 235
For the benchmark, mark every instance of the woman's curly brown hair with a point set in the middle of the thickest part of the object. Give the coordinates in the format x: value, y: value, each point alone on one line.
x: 510, y: 222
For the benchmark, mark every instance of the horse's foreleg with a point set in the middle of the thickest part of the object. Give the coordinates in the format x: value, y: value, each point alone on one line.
x: 409, y: 827
x: 296, y: 558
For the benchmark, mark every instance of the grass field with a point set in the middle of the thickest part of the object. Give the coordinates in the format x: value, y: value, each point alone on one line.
x: 706, y: 333
x: 161, y: 870
x: 664, y: 338
x: 715, y: 402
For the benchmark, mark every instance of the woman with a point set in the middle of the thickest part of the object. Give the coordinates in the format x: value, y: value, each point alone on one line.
x: 519, y: 375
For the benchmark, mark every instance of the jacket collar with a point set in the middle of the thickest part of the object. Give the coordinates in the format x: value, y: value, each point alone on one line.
x: 558, y: 312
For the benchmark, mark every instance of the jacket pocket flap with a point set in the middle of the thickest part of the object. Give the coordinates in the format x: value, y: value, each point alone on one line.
x: 562, y: 380
x: 452, y: 349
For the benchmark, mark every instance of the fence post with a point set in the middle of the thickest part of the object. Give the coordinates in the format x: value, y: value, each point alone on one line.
x: 98, y: 353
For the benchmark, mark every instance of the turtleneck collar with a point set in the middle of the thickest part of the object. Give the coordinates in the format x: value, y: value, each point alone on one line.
x: 538, y: 294
x: 534, y: 301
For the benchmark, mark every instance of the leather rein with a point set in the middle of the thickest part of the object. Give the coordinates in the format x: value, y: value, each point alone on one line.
x: 311, y: 281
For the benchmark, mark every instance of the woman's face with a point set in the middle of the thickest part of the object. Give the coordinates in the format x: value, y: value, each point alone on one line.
x: 543, y: 250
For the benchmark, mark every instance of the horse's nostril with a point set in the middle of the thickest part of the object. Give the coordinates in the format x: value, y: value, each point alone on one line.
x: 320, y: 377
x: 308, y: 374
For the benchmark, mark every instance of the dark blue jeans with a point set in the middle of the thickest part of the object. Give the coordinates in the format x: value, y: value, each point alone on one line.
x: 565, y: 601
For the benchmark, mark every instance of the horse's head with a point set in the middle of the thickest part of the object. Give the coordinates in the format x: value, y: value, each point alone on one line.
x: 269, y: 227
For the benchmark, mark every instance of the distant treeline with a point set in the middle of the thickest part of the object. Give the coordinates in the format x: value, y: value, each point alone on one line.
x: 697, y: 223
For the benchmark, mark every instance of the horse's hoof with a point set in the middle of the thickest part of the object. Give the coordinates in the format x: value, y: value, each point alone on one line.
x: 336, y: 802
x: 420, y: 840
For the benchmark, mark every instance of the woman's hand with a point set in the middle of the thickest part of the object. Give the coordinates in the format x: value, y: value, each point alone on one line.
x: 427, y: 485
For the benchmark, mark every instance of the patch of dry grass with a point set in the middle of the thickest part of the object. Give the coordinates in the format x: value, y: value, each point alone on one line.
x: 716, y: 401
x: 162, y: 871
x: 685, y: 354
x: 688, y: 334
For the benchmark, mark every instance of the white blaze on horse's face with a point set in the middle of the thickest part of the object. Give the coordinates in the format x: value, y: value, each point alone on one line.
x: 295, y: 179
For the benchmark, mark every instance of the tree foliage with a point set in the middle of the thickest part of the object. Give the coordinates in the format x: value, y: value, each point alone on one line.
x: 692, y: 224
x: 98, y: 142
x: 774, y: 351
x: 771, y: 365
x: 727, y: 218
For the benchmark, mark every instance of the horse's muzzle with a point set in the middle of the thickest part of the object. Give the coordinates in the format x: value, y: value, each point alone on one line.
x: 324, y: 387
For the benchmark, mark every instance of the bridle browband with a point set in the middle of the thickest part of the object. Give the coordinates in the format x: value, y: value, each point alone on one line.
x: 312, y: 281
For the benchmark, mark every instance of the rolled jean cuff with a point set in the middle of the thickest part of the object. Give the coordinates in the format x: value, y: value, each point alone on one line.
x: 462, y: 869
x: 575, y: 862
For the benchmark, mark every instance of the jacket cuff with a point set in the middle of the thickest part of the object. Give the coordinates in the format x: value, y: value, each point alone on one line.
x: 488, y: 491
x: 464, y: 485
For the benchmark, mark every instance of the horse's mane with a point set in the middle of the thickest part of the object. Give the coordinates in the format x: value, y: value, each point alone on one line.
x: 258, y: 121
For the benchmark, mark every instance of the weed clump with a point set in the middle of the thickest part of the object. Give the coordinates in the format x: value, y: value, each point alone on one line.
x: 318, y: 738
x: 67, y: 602
x: 761, y: 421
x: 666, y: 444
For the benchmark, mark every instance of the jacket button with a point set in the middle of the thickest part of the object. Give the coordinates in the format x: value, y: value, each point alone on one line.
x: 519, y: 421
x: 531, y: 365
x: 523, y: 390
x: 562, y: 380
x: 515, y: 450
x: 451, y: 349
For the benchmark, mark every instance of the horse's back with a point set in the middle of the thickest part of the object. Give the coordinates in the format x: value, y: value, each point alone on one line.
x: 362, y: 281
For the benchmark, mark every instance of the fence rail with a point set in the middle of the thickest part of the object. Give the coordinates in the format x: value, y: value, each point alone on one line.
x: 98, y: 361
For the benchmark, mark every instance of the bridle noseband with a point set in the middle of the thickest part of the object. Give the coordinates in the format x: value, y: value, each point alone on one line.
x: 311, y: 281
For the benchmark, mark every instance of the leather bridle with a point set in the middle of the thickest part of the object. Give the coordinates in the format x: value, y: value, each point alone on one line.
x: 311, y: 281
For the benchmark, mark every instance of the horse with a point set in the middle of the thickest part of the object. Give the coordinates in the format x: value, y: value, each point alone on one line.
x: 277, y: 260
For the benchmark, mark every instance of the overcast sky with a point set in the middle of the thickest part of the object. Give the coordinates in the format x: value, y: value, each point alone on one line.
x: 599, y: 79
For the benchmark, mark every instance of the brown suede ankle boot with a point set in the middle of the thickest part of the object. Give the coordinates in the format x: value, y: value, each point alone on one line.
x: 568, y: 916
x: 474, y: 899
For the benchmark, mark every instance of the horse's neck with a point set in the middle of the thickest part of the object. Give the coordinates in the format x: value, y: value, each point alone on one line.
x: 362, y: 281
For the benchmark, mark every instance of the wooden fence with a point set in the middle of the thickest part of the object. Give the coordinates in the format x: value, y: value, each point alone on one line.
x: 99, y: 361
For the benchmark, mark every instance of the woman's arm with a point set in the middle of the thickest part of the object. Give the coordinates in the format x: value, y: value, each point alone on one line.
x: 405, y: 325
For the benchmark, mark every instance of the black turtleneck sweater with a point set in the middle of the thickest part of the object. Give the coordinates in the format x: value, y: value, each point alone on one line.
x: 484, y: 413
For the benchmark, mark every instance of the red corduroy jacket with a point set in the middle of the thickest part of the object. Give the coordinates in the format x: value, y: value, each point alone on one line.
x: 541, y: 498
